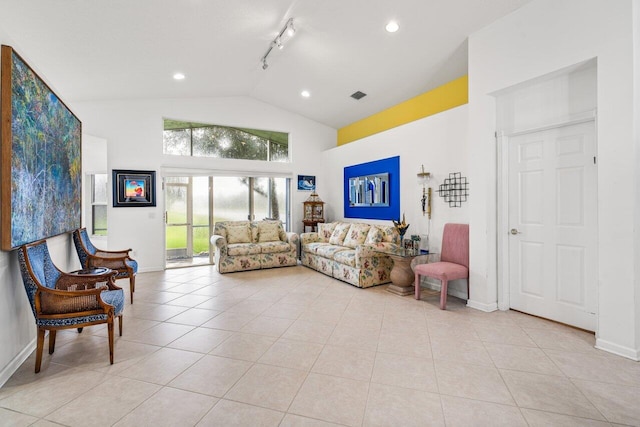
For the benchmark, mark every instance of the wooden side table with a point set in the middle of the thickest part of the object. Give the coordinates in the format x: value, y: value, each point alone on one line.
x: 86, y: 278
x: 402, y: 276
x: 313, y: 223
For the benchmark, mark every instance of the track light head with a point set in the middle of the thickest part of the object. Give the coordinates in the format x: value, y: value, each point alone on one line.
x: 283, y: 36
x: 291, y: 30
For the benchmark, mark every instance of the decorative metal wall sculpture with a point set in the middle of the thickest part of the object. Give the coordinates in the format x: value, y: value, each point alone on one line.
x: 455, y: 189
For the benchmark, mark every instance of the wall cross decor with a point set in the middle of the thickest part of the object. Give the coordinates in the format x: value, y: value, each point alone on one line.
x: 454, y: 190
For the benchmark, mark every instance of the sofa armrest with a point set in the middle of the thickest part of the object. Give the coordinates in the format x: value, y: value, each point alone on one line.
x: 220, y: 243
x: 309, y: 238
x: 292, y: 238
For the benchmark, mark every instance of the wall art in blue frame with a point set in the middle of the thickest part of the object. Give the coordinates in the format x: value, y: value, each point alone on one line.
x: 390, y: 166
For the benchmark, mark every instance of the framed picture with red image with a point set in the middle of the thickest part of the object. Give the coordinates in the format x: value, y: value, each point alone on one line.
x: 133, y: 188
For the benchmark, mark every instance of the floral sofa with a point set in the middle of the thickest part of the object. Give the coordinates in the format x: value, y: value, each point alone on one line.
x: 252, y: 245
x: 350, y: 252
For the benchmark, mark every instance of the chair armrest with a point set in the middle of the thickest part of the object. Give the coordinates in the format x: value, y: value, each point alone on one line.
x: 112, y: 256
x: 55, y: 301
x: 103, y: 253
x: 309, y: 237
x: 113, y: 261
x: 72, y: 282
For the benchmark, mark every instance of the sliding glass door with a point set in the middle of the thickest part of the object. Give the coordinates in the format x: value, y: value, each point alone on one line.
x: 195, y: 204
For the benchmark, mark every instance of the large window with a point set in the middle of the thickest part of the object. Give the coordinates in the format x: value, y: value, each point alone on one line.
x: 195, y: 204
x: 205, y: 140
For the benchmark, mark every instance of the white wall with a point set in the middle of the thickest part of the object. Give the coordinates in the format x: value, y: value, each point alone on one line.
x: 133, y: 130
x: 636, y: 143
x: 542, y: 37
x: 17, y: 325
x: 438, y: 142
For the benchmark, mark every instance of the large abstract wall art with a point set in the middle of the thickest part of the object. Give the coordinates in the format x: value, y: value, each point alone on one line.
x: 373, y: 206
x: 40, y: 166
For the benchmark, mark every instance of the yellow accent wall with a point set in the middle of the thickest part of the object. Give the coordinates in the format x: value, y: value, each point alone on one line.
x: 442, y: 98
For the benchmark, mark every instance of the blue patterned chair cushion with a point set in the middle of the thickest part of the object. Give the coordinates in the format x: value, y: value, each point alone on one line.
x: 114, y: 298
x: 133, y: 264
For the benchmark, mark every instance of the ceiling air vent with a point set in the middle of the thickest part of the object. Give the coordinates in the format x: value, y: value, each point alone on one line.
x: 358, y: 95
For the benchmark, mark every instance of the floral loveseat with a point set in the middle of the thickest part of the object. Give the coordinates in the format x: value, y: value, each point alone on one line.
x: 252, y: 245
x: 350, y: 252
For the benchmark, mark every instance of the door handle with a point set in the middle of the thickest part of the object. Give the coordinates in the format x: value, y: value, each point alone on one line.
x: 515, y: 231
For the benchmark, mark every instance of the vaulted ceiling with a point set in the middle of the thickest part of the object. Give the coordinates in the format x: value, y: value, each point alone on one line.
x: 123, y: 49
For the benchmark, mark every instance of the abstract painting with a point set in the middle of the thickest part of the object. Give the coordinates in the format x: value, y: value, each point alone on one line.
x: 41, y: 164
x: 133, y: 188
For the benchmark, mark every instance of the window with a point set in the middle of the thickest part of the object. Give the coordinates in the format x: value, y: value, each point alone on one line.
x: 205, y: 140
x: 99, y: 204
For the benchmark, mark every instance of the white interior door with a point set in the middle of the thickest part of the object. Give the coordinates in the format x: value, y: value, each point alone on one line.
x: 553, y: 224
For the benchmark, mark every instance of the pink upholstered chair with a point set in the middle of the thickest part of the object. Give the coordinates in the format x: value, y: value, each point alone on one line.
x: 453, y: 264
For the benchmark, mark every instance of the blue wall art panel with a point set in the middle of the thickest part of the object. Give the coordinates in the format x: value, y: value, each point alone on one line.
x: 41, y: 163
x: 372, y: 190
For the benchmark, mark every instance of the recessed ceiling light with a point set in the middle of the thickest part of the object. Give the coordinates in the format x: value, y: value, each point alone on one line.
x: 392, y: 27
x: 305, y: 94
x: 178, y: 76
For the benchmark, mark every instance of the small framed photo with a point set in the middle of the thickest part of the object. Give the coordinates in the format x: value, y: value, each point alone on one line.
x: 133, y: 188
x: 306, y: 183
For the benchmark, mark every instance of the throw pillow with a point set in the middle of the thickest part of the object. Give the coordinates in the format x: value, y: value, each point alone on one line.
x: 374, y: 236
x: 325, y: 231
x: 268, y: 232
x: 339, y: 233
x: 356, y: 235
x: 238, y: 234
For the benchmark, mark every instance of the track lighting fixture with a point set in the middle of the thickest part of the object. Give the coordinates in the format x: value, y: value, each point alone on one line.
x: 285, y: 34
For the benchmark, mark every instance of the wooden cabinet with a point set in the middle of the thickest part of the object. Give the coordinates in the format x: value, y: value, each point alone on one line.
x: 313, y: 211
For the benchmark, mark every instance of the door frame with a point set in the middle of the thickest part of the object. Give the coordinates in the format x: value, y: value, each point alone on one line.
x: 502, y: 197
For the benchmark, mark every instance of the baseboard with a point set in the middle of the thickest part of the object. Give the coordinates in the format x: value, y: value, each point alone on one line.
x: 150, y: 269
x: 13, y: 366
x: 436, y: 287
x: 629, y: 353
x: 503, y: 306
x: 482, y: 306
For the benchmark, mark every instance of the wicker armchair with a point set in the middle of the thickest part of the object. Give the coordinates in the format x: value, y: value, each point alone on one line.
x: 66, y: 301
x: 119, y: 261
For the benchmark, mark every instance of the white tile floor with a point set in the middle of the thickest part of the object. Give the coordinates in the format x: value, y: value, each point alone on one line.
x: 291, y: 347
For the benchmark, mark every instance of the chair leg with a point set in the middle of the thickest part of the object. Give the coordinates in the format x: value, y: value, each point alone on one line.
x: 120, y: 324
x: 132, y: 285
x: 39, y: 346
x: 443, y: 294
x: 417, y: 285
x: 110, y: 329
x: 52, y: 341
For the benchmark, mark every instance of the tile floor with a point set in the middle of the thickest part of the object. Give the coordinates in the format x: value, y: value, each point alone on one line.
x: 291, y: 347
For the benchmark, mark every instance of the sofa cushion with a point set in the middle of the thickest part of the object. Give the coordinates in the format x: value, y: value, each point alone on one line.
x: 238, y: 234
x: 375, y: 235
x: 339, y: 233
x: 328, y: 251
x: 313, y: 246
x: 268, y: 232
x: 325, y: 231
x: 347, y: 257
x: 274, y: 247
x: 356, y: 235
x: 235, y: 249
